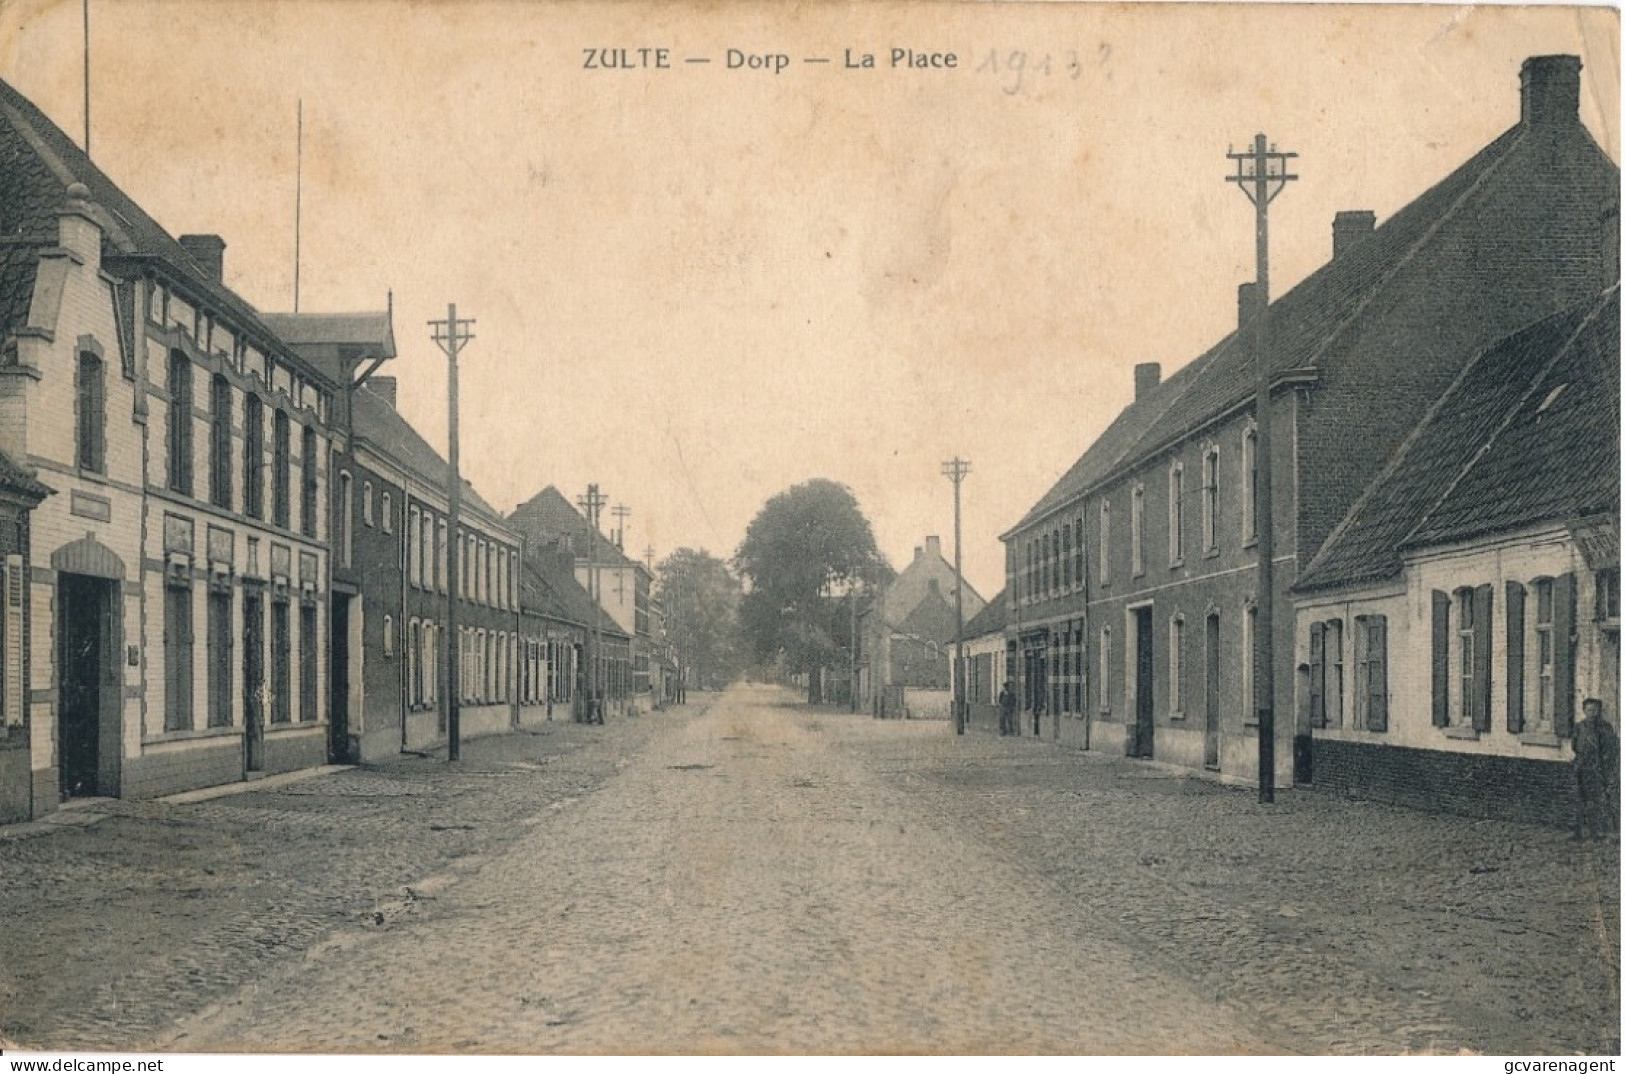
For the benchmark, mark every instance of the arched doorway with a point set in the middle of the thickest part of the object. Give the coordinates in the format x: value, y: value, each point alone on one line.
x: 89, y: 636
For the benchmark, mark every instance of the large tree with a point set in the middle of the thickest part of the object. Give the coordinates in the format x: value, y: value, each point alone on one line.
x: 805, y: 546
x: 699, y: 595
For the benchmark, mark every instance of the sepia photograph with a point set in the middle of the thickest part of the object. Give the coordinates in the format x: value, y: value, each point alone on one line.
x: 906, y: 528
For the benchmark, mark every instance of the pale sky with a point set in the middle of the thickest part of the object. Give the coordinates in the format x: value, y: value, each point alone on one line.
x: 699, y: 285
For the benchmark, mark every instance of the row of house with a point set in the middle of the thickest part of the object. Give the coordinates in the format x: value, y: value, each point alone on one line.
x: 1445, y: 444
x: 225, y: 553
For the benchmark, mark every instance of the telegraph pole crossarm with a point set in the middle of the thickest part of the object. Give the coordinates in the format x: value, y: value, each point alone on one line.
x: 1262, y: 172
x: 452, y: 335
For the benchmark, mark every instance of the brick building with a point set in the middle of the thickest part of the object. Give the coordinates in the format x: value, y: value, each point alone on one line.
x: 1450, y: 624
x: 179, y: 576
x: 557, y: 532
x: 1132, y: 581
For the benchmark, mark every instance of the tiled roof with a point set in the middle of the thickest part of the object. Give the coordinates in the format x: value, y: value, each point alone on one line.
x: 382, y: 426
x: 992, y: 619
x: 38, y: 162
x: 1527, y: 433
x: 1548, y: 181
x: 547, y: 516
x: 560, y: 596
x: 18, y: 479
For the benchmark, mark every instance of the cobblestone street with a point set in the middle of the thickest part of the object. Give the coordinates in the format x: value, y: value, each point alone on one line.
x: 747, y: 874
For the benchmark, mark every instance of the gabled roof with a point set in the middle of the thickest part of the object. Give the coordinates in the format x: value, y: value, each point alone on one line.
x: 992, y: 619
x: 379, y: 424
x: 548, y: 516
x: 38, y: 162
x: 1527, y: 433
x: 1541, y: 182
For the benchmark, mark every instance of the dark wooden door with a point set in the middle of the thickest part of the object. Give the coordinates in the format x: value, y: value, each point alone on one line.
x: 82, y: 611
x: 1144, y: 683
x: 338, y: 680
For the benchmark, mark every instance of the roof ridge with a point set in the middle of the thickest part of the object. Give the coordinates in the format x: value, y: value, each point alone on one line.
x: 1511, y: 413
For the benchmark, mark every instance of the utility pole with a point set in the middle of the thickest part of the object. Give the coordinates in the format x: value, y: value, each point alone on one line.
x: 1262, y: 172
x: 453, y: 335
x: 592, y: 503
x: 620, y: 511
x: 84, y: 10
x: 955, y: 470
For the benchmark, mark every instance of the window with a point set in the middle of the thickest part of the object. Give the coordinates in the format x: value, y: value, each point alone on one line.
x: 1136, y: 529
x: 386, y: 512
x: 1105, y: 542
x: 346, y: 519
x: 366, y: 502
x: 1334, y: 673
x: 281, y: 663
x: 1608, y: 595
x: 281, y: 450
x: 308, y: 453
x: 1176, y: 664
x: 1371, y: 671
x: 426, y: 551
x: 91, y: 438
x: 253, y: 457
x: 177, y: 657
x: 414, y: 561
x: 1176, y: 514
x: 308, y: 663
x: 440, y: 556
x: 1249, y: 466
x: 1466, y: 650
x: 1210, y: 501
x: 1461, y: 658
x: 1077, y: 554
x: 180, y: 423
x: 1545, y: 656
x: 219, y: 656
x: 1105, y: 669
x: 414, y: 644
x: 220, y: 441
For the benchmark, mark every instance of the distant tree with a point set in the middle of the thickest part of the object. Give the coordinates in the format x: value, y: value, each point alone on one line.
x: 804, y: 547
x: 700, y: 595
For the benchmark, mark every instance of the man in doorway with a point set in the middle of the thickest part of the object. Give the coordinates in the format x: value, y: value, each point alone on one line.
x: 1038, y: 713
x: 1596, y: 773
x: 1007, y: 709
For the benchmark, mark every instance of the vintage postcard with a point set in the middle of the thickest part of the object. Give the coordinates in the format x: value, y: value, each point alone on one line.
x: 740, y: 528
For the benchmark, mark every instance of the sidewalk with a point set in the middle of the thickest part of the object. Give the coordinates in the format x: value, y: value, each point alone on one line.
x: 169, y: 905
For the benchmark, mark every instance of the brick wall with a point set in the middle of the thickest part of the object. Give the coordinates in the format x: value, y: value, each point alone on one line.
x: 1502, y: 788
x: 187, y: 766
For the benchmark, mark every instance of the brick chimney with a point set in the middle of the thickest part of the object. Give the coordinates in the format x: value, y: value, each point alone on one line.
x: 1551, y: 90
x: 1147, y: 375
x: 209, y: 251
x: 1246, y: 303
x: 383, y: 388
x: 933, y: 546
x: 1349, y: 228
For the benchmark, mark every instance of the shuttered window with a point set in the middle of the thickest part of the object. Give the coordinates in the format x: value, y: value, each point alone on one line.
x: 1441, y: 658
x: 1371, y: 671
x: 1317, y: 674
x: 11, y: 642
